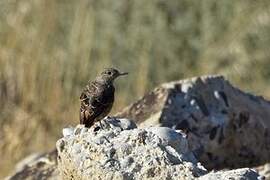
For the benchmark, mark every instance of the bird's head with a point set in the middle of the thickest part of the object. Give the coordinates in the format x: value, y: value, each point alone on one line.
x: 110, y: 74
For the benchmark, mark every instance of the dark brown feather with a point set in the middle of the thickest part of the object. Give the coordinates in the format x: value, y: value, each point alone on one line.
x: 96, y: 102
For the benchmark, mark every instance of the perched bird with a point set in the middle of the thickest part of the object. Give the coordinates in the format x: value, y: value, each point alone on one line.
x: 98, y: 96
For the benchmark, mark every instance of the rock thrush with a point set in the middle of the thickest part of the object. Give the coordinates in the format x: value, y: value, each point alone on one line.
x: 98, y: 96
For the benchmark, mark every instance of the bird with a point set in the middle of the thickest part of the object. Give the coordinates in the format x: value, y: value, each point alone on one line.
x: 97, y: 97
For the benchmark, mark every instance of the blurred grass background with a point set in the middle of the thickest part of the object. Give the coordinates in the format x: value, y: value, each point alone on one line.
x: 50, y: 49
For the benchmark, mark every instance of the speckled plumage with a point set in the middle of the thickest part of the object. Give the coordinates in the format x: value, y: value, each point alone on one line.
x: 97, y: 97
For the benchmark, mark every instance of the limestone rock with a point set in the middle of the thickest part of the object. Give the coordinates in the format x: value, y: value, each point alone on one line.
x: 225, y: 127
x: 117, y: 151
x: 171, y: 137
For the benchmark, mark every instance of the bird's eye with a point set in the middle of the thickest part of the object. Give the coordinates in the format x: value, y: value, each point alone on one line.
x: 109, y: 72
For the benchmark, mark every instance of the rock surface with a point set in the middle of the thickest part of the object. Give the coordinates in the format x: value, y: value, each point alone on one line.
x: 225, y: 126
x: 238, y: 174
x: 37, y: 167
x: 114, y: 151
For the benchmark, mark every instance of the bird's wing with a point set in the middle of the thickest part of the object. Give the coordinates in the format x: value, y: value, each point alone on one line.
x: 90, y: 94
x: 95, y: 101
x: 87, y: 116
x: 87, y: 111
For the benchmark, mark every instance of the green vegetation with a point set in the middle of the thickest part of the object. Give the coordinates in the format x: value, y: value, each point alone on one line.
x: 49, y: 49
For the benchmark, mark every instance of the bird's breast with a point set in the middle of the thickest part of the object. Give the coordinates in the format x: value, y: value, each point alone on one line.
x: 109, y: 93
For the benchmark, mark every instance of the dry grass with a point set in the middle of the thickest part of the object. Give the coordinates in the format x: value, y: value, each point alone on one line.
x: 49, y: 49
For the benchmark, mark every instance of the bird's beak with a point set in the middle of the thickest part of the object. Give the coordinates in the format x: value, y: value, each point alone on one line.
x: 123, y: 73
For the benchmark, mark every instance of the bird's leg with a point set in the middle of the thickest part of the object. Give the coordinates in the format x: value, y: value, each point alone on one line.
x: 101, y: 126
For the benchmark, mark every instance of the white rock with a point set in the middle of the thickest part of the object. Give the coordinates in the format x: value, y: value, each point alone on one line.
x: 125, y: 154
x: 173, y: 138
x: 68, y: 131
